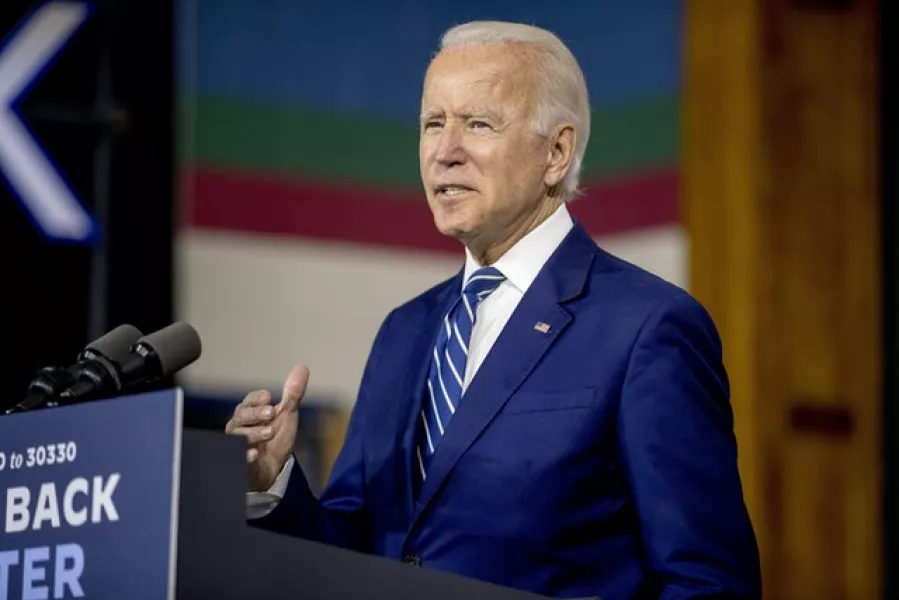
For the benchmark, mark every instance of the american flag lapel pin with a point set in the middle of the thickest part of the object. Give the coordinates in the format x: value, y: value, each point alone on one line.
x: 542, y: 327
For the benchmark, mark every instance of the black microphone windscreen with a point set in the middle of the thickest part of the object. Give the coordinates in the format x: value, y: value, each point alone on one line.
x: 176, y: 346
x: 116, y: 344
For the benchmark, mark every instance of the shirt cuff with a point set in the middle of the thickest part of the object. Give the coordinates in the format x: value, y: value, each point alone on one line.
x: 259, y: 504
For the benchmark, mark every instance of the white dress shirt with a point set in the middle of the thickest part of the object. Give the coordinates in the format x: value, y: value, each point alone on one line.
x: 521, y: 265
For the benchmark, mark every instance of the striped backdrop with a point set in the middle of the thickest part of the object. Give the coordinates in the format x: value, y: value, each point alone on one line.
x: 303, y: 221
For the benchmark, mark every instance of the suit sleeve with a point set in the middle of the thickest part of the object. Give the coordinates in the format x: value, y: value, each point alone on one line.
x: 680, y: 456
x: 340, y: 516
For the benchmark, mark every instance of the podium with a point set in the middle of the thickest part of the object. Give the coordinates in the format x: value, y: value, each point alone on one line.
x: 116, y: 499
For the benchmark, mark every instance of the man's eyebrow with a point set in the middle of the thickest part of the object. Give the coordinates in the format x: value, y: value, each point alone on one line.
x: 483, y: 113
x: 429, y: 114
x: 466, y: 114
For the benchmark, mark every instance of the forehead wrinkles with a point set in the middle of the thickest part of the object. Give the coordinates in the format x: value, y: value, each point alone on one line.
x: 470, y: 77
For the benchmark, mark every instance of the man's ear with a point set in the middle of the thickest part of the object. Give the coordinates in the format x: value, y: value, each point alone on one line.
x: 560, y: 155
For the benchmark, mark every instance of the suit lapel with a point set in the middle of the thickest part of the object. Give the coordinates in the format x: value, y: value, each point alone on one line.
x: 539, y: 319
x: 413, y: 392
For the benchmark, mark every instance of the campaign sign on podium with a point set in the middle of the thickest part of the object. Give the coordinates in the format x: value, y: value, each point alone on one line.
x: 89, y: 503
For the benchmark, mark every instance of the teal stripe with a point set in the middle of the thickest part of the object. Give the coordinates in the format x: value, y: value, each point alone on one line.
x: 298, y: 141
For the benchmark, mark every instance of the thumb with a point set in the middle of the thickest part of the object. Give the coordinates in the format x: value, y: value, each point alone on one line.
x: 294, y: 388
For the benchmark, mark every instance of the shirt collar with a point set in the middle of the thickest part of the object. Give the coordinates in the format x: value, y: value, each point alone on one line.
x: 523, y: 261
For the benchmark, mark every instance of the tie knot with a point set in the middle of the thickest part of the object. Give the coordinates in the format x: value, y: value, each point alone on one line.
x: 484, y: 282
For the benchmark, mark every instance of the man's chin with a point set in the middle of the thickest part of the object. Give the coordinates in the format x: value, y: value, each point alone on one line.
x: 454, y: 228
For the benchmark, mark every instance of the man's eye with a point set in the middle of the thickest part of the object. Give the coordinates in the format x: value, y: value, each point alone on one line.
x: 480, y: 125
x: 430, y: 125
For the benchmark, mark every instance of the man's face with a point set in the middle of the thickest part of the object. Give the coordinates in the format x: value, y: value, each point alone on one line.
x: 482, y: 163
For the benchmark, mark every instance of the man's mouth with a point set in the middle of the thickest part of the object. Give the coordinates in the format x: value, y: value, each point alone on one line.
x: 451, y: 190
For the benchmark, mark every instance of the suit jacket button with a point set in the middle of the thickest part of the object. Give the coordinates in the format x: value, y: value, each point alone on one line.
x: 412, y: 559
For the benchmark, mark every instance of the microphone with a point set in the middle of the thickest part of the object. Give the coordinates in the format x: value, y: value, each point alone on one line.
x: 95, y: 360
x: 154, y: 357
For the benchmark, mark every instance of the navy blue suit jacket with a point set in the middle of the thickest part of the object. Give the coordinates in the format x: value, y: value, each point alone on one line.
x: 595, y: 459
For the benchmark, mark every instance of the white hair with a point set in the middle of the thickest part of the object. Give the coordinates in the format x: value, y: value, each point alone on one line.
x: 563, y: 93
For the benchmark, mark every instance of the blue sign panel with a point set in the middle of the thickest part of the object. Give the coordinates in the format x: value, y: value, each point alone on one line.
x: 89, y: 499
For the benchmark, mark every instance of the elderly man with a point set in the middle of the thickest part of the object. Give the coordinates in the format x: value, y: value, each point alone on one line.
x: 551, y: 418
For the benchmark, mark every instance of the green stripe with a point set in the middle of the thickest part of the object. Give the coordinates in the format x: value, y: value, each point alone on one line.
x: 636, y: 136
x: 305, y: 142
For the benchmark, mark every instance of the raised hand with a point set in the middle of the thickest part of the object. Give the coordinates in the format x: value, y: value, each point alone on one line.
x: 270, y: 430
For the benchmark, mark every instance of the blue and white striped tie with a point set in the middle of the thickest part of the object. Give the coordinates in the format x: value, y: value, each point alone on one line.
x: 450, y: 355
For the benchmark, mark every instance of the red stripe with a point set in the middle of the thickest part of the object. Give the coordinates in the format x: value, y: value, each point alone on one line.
x: 628, y: 203
x: 227, y: 200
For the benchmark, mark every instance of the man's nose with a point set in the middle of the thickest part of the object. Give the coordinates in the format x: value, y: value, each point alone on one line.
x: 450, y: 149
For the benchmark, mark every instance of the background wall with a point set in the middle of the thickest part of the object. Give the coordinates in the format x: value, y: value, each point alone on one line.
x: 303, y: 220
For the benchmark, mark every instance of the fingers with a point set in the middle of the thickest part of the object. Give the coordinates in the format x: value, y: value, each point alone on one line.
x: 255, y: 435
x: 294, y: 388
x: 250, y: 416
x: 255, y: 409
x: 246, y: 416
x: 257, y: 398
x: 255, y: 417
